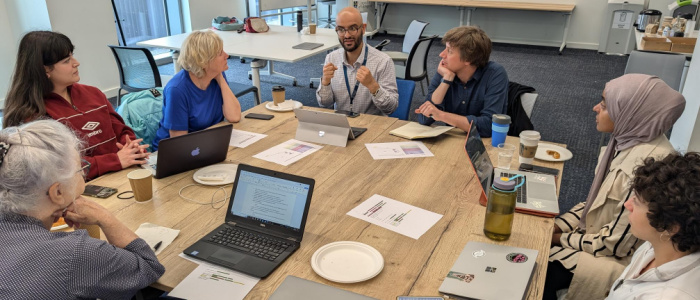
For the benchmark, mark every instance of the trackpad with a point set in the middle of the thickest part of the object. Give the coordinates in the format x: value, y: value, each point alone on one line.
x: 228, y: 256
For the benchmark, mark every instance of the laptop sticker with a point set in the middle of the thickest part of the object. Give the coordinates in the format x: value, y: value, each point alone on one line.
x: 490, y: 269
x: 461, y: 276
x: 479, y: 253
x: 517, y: 258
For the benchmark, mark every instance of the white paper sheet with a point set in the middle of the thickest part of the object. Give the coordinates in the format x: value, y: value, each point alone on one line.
x: 152, y: 234
x: 396, y: 216
x: 212, y: 282
x: 398, y: 150
x: 242, y: 139
x: 288, y: 152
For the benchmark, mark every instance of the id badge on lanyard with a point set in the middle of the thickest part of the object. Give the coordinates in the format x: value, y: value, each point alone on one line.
x: 357, y: 82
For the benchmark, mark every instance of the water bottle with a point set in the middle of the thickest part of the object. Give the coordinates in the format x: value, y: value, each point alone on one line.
x: 499, y: 129
x: 500, y: 208
x: 300, y: 21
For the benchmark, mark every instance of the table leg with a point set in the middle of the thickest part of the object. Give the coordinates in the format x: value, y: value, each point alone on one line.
x: 176, y: 66
x: 270, y: 71
x: 469, y: 16
x: 566, y: 31
x: 255, y: 66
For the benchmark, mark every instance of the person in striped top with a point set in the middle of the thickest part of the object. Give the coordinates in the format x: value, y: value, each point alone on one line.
x: 592, y: 242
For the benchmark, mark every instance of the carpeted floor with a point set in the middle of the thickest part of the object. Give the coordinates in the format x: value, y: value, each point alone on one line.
x: 569, y: 85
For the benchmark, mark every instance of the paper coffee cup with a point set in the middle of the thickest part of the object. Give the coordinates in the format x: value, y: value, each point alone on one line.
x: 278, y: 94
x: 312, y: 28
x: 529, y: 139
x: 142, y: 184
x: 93, y: 230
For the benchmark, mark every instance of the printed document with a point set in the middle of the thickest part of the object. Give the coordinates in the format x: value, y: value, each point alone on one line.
x: 242, y: 139
x: 398, y: 150
x: 396, y: 216
x: 211, y: 282
x: 288, y: 152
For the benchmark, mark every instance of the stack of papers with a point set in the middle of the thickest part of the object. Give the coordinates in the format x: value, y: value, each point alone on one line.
x: 212, y: 282
x: 154, y: 234
x: 414, y: 131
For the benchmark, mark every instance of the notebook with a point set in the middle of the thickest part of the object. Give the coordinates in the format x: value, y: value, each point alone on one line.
x: 264, y: 225
x: 489, y: 271
x: 537, y: 196
x: 325, y: 128
x: 297, y: 288
x: 414, y: 131
x: 190, y: 151
x: 307, y: 46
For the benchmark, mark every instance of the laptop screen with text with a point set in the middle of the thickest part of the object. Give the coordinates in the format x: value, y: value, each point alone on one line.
x: 268, y: 199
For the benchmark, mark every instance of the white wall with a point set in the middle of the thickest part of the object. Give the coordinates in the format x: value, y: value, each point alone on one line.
x: 90, y: 26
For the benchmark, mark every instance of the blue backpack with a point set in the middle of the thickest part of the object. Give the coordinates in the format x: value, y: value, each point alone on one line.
x: 142, y: 111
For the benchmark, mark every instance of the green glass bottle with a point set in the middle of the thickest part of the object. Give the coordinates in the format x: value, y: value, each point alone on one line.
x: 500, y: 209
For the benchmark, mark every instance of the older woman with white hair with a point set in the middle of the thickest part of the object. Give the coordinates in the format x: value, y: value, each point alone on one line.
x: 198, y: 96
x: 41, y: 179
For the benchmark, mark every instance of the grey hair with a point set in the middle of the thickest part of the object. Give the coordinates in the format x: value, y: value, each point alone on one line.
x: 41, y: 153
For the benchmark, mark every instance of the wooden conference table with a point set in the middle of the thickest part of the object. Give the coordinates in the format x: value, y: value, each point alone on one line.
x: 345, y: 177
x: 566, y: 9
x: 263, y: 48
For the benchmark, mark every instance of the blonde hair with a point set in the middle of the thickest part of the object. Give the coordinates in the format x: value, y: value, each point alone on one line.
x: 198, y: 49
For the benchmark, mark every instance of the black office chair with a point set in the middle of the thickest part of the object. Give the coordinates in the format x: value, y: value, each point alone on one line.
x: 137, y: 69
x: 416, y: 67
x: 240, y: 89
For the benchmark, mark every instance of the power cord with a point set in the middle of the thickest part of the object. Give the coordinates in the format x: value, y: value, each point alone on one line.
x: 213, y: 201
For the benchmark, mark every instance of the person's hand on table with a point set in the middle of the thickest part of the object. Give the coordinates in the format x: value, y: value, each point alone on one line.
x: 132, y: 153
x: 328, y: 72
x: 85, y: 212
x: 428, y: 109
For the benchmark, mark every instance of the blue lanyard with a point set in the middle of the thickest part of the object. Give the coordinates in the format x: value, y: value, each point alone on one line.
x: 357, y: 82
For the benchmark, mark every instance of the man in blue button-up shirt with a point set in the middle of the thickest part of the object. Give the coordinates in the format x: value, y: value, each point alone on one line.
x: 467, y: 87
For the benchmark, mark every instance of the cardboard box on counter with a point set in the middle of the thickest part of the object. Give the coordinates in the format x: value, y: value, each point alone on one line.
x: 682, y: 44
x: 655, y: 43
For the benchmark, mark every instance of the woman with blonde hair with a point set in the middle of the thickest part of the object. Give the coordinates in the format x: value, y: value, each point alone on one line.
x: 198, y: 96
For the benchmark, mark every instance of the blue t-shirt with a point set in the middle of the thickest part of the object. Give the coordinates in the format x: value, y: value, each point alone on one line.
x: 187, y: 107
x: 485, y: 94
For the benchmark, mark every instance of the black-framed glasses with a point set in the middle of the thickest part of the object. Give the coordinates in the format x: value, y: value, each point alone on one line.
x: 84, y: 168
x: 352, y: 30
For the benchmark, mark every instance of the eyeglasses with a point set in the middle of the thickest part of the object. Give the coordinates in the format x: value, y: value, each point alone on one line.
x: 352, y: 30
x: 84, y: 168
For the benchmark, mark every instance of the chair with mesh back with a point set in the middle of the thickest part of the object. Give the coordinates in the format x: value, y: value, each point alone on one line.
x: 416, y: 67
x: 137, y: 69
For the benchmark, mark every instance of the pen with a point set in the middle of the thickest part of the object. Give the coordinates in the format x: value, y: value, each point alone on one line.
x: 155, y: 248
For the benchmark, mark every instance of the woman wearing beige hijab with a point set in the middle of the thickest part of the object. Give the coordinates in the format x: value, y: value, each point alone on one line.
x: 592, y: 242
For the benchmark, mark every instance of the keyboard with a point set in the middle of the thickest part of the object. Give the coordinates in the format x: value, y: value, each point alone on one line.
x: 250, y: 242
x: 522, y: 190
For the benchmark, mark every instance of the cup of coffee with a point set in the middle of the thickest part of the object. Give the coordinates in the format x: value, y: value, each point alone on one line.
x: 312, y: 28
x: 499, y: 129
x: 529, y: 140
x: 278, y: 95
x: 93, y: 230
x: 142, y: 184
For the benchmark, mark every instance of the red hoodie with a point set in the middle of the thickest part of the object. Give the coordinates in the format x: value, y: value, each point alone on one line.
x: 94, y: 120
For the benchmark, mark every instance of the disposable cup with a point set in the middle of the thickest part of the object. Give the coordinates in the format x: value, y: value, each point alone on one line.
x: 529, y: 139
x: 142, y: 184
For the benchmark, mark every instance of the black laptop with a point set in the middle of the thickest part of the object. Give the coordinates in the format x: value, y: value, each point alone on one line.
x: 190, y: 151
x: 264, y: 222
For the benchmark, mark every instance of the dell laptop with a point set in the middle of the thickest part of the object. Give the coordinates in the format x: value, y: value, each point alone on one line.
x: 538, y: 194
x: 264, y: 225
x: 190, y: 151
x: 325, y: 128
x: 490, y: 271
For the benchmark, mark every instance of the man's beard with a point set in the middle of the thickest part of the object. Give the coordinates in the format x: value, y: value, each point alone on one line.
x: 354, y: 47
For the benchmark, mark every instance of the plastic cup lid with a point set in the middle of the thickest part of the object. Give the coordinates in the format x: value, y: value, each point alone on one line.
x: 278, y: 88
x: 530, y: 135
x: 500, y: 119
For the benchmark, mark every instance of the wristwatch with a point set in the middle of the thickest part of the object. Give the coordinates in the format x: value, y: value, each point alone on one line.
x: 375, y: 92
x: 447, y: 81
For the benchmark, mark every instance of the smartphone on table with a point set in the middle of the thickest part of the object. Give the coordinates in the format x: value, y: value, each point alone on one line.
x: 259, y: 116
x: 538, y: 169
x: 347, y: 113
x: 97, y: 191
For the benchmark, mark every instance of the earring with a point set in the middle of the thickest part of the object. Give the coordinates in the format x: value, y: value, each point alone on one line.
x: 665, y: 233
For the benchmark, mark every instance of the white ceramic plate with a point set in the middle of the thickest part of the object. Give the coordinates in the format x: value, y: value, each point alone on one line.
x: 228, y: 170
x: 542, y: 148
x: 347, y: 262
x: 287, y: 105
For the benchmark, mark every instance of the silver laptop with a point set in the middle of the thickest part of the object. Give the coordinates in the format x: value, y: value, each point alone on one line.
x: 325, y: 128
x: 296, y: 288
x: 190, y: 151
x: 538, y: 195
x: 489, y: 271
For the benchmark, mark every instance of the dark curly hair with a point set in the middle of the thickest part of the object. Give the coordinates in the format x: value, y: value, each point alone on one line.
x: 671, y: 188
